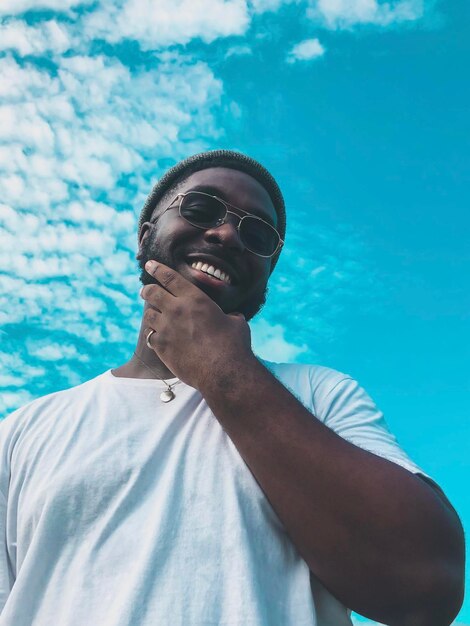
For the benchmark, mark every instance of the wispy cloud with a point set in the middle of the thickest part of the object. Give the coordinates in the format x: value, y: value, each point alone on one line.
x: 16, y: 7
x: 82, y: 138
x: 48, y: 36
x: 160, y: 24
x: 339, y: 14
x: 241, y: 50
x: 306, y: 50
x: 261, y: 6
x: 346, y: 14
x: 321, y: 274
x: 96, y: 101
x: 270, y: 342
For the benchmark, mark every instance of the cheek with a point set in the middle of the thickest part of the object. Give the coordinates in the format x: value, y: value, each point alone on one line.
x: 174, y: 234
x: 259, y: 273
x: 160, y: 238
x: 264, y: 269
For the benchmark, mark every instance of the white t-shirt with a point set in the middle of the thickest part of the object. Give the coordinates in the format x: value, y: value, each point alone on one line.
x: 119, y: 510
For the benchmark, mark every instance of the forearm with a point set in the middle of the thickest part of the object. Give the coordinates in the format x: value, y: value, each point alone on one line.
x: 373, y: 533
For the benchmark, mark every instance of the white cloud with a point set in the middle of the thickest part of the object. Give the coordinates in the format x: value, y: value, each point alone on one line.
x: 238, y: 51
x: 261, y: 6
x: 11, y: 381
x: 335, y: 266
x: 10, y: 400
x: 269, y: 342
x: 83, y: 134
x: 18, y: 374
x: 35, y: 40
x: 306, y: 51
x: 159, y: 24
x: 70, y: 132
x: 90, y: 123
x: 69, y: 375
x: 337, y: 14
x: 47, y: 351
x: 16, y: 7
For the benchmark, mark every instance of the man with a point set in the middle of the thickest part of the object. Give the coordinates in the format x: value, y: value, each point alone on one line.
x: 198, y: 485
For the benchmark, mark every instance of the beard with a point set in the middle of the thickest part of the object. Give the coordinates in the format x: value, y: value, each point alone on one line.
x: 250, y: 308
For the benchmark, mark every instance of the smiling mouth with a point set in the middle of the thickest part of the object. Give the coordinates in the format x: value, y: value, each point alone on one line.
x: 214, y: 273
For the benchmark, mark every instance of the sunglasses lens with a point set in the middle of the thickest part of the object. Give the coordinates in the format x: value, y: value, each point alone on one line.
x: 204, y: 211
x: 201, y: 210
x: 258, y: 236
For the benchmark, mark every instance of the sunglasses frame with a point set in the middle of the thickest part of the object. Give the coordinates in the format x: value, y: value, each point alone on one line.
x: 223, y: 219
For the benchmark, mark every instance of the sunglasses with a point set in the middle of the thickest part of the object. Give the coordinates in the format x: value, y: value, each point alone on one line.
x: 205, y: 211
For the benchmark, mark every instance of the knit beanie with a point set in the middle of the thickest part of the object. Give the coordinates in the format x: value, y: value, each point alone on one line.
x: 218, y: 158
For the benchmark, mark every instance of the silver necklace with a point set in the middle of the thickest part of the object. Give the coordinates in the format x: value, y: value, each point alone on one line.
x: 168, y: 394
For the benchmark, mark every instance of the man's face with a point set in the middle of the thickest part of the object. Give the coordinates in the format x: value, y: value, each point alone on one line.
x: 178, y: 244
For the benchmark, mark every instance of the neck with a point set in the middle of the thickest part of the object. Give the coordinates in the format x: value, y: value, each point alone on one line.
x: 134, y: 368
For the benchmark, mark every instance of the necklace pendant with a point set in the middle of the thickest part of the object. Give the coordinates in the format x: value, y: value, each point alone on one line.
x: 167, y: 395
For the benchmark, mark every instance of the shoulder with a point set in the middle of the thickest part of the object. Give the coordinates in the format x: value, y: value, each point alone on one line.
x: 338, y: 401
x: 317, y: 375
x: 313, y: 385
x: 30, y: 426
x: 46, y: 407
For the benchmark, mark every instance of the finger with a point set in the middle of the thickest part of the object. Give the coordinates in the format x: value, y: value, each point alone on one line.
x: 152, y: 318
x: 237, y: 314
x: 156, y: 296
x: 169, y: 279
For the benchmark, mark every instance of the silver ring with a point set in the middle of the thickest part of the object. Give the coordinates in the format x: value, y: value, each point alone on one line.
x: 147, y: 340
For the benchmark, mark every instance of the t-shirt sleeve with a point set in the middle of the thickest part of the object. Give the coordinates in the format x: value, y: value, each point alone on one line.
x: 5, y: 583
x: 346, y: 408
x: 6, y: 575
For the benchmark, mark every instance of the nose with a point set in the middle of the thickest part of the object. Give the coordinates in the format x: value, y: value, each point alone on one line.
x: 226, y: 234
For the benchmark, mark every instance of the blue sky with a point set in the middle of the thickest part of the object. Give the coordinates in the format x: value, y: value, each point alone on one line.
x: 358, y: 107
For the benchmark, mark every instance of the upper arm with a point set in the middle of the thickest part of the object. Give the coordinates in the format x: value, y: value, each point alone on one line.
x: 438, y: 491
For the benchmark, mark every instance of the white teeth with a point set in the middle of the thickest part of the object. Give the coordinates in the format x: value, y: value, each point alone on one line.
x: 211, y: 270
